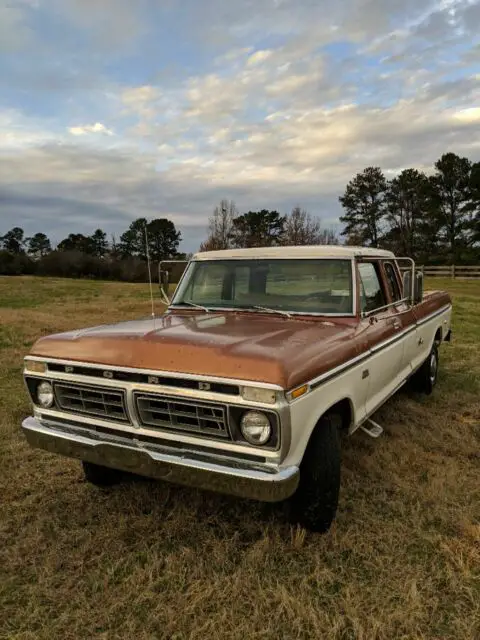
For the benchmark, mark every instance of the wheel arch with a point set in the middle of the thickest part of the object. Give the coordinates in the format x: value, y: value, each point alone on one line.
x: 344, y: 407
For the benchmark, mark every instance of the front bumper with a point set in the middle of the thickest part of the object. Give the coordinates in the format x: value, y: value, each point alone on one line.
x: 206, y: 472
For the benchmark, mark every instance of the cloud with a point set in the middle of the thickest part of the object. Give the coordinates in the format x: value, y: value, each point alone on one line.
x: 18, y: 132
x: 140, y: 99
x: 258, y: 57
x: 98, y: 127
x: 468, y: 116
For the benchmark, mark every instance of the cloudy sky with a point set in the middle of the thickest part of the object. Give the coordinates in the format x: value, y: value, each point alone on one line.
x: 115, y: 109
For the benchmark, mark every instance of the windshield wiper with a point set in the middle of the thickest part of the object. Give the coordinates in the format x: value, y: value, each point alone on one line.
x: 194, y: 304
x: 283, y: 313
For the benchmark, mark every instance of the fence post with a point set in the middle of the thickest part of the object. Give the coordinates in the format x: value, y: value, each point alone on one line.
x: 453, y: 271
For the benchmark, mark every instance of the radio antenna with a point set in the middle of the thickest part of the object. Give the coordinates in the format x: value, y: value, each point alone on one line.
x: 149, y: 276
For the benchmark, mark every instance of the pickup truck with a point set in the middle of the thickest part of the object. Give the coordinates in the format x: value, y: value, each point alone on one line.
x: 246, y: 382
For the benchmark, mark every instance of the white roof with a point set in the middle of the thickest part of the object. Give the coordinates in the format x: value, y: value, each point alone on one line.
x: 310, y: 251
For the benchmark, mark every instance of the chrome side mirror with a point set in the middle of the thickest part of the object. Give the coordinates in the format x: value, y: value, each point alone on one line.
x: 164, y: 277
x: 407, y: 285
x: 418, y: 294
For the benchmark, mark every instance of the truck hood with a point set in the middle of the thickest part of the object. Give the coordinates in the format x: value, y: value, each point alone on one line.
x: 255, y: 347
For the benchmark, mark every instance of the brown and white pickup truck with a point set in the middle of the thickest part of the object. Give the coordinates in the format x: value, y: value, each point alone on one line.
x: 245, y: 383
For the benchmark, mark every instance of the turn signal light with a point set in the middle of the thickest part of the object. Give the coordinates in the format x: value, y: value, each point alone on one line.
x: 300, y: 391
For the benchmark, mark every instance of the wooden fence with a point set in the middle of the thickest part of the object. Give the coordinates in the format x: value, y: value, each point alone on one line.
x: 451, y: 271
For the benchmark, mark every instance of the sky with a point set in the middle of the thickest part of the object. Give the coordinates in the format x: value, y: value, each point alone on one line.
x: 112, y: 110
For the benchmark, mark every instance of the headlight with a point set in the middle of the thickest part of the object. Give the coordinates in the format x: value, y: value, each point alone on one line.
x: 45, y: 394
x: 257, y: 394
x: 255, y: 427
x: 35, y: 366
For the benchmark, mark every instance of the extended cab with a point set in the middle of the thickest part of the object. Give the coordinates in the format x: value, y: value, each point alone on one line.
x: 245, y: 383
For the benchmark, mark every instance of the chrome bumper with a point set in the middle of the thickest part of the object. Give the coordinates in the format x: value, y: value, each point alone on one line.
x: 238, y: 478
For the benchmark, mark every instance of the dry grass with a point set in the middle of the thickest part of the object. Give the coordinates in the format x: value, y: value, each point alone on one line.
x: 150, y: 560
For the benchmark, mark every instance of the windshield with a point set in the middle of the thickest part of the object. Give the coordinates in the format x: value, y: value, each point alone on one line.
x: 321, y: 286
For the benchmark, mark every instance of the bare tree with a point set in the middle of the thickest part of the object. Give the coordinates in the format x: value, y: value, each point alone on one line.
x: 301, y: 228
x: 220, y: 227
x: 328, y: 236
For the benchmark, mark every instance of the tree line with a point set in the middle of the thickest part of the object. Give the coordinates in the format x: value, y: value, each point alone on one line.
x: 95, y: 256
x: 434, y: 219
x: 92, y: 256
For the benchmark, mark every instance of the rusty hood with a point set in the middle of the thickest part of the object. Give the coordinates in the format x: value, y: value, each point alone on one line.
x: 255, y: 347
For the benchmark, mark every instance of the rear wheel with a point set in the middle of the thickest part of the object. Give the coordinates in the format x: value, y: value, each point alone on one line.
x: 101, y: 476
x: 314, y: 504
x: 425, y: 379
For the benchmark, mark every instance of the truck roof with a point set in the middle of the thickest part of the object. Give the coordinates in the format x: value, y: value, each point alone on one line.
x: 286, y: 253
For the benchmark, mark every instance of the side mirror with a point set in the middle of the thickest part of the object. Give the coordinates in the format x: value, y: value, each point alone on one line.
x: 418, y: 294
x: 163, y: 277
x: 164, y: 280
x: 407, y: 285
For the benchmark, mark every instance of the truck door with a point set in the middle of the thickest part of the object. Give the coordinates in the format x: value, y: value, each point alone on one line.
x: 382, y: 327
x: 405, y: 317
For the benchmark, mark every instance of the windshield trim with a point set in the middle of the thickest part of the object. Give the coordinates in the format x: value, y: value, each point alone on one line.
x: 352, y: 314
x: 174, y: 307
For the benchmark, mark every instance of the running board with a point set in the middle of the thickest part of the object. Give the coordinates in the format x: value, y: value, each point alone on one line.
x: 374, y: 430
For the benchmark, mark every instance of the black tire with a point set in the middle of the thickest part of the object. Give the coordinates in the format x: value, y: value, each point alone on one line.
x: 314, y: 504
x: 101, y: 476
x: 425, y: 379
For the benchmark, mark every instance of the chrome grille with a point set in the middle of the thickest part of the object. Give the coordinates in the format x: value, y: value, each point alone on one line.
x: 105, y: 403
x: 176, y: 413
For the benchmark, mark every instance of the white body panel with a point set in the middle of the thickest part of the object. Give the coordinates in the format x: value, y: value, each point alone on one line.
x: 388, y: 369
x: 384, y: 368
x: 419, y: 346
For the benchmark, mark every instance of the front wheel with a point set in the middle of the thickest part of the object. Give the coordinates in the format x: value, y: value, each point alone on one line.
x: 314, y: 504
x: 425, y: 379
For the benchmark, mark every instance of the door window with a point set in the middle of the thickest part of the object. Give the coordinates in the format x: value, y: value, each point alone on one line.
x: 371, y: 292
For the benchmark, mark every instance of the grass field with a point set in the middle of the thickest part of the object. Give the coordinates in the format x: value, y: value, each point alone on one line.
x: 150, y: 560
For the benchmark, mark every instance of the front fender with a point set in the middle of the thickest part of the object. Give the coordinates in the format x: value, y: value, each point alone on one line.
x: 307, y: 411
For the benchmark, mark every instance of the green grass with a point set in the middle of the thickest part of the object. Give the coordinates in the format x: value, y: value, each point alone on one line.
x: 150, y: 560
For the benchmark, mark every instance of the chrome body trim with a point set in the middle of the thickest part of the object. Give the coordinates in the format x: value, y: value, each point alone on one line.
x: 59, y: 388
x: 172, y: 415
x: 245, y: 479
x: 313, y: 314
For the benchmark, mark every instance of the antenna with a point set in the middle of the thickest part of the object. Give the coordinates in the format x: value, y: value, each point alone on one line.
x: 149, y: 276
